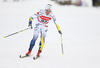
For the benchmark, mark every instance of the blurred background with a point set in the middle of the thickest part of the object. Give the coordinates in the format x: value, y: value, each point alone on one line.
x: 79, y: 2
x: 72, y: 2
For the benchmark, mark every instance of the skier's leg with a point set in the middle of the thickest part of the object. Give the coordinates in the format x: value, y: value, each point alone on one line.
x: 41, y: 44
x: 43, y: 35
x: 32, y: 43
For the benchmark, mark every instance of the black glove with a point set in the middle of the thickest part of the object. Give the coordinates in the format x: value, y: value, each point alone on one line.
x: 60, y: 32
x: 30, y: 27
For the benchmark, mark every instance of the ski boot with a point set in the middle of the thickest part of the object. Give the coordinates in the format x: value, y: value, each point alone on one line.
x: 38, y: 54
x: 29, y: 52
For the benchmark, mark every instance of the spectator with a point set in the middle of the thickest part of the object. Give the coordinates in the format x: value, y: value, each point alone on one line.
x: 16, y: 0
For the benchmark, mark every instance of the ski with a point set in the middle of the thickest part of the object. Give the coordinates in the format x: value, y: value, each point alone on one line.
x: 34, y: 58
x: 23, y: 56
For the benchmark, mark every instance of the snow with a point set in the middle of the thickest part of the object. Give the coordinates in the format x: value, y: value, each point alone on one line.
x: 81, y: 36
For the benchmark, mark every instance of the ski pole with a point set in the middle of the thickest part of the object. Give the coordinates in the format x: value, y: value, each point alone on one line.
x: 15, y: 33
x: 57, y: 26
x: 61, y: 38
x: 61, y: 44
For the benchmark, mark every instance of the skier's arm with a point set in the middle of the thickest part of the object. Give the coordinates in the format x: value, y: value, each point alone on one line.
x: 54, y: 19
x: 30, y: 21
x: 33, y: 17
x: 58, y: 29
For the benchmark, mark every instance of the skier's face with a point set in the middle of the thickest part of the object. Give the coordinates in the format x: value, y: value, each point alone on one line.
x: 48, y: 11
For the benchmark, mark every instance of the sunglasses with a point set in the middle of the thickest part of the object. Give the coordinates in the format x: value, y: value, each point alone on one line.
x: 48, y: 10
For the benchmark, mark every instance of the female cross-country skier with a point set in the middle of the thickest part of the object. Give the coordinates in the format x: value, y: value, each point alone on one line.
x: 41, y: 26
